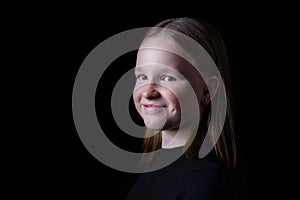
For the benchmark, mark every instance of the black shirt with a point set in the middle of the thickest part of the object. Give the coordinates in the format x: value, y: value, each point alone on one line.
x: 185, y: 179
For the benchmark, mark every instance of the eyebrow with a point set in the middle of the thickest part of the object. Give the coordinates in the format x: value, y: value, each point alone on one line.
x: 140, y: 68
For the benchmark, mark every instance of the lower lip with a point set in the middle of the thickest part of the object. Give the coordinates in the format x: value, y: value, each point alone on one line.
x: 153, y: 108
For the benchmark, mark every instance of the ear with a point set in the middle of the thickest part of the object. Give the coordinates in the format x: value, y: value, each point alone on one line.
x: 213, y: 87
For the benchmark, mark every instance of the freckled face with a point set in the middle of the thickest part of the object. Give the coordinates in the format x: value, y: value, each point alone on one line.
x: 159, y: 81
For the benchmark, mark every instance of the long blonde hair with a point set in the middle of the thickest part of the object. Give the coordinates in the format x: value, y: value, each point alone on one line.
x: 224, y: 148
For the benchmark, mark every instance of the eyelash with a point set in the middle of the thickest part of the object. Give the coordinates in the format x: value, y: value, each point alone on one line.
x: 164, y: 78
x: 168, y: 77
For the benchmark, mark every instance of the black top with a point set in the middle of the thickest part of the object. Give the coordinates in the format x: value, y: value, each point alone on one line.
x: 185, y: 179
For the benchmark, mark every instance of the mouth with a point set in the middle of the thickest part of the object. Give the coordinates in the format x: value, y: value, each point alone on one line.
x: 153, y: 107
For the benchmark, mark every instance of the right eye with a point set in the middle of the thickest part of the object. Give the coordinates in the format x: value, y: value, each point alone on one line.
x: 142, y: 77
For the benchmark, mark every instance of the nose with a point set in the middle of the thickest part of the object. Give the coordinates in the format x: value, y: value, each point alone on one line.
x: 150, y: 92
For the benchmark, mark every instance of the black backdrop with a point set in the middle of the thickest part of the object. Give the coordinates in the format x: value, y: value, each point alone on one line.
x: 90, y: 174
x: 80, y: 34
x: 62, y: 35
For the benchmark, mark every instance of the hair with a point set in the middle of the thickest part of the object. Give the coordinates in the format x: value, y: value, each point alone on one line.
x: 203, y: 33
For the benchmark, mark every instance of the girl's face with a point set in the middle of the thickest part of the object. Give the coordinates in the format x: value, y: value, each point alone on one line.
x: 161, y: 79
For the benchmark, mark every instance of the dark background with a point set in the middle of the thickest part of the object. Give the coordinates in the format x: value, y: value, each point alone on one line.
x: 52, y: 40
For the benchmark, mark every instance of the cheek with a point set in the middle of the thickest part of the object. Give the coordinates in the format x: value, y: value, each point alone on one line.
x: 177, y: 96
x: 136, y: 97
x: 171, y: 98
x: 198, y: 85
x: 174, y: 101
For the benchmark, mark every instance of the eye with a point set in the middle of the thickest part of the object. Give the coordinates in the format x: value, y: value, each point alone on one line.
x: 142, y: 77
x: 168, y: 78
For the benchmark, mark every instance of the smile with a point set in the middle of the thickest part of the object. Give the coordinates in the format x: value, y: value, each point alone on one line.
x: 152, y: 107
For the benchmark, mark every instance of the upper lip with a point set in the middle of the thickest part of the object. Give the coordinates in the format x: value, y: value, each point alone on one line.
x: 153, y: 105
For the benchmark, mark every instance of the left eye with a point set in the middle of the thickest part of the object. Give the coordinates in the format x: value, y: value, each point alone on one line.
x: 142, y: 77
x: 168, y: 78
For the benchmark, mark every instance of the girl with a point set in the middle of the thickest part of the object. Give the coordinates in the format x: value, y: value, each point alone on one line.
x: 178, y: 93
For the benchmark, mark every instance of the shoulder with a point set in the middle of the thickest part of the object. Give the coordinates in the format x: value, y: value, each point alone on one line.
x: 184, y: 179
x: 200, y: 167
x: 206, y: 180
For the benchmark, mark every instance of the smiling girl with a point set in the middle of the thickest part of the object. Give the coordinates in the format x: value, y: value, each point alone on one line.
x: 176, y: 89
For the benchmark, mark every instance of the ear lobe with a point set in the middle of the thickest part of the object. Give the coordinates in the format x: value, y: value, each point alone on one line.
x: 213, y: 83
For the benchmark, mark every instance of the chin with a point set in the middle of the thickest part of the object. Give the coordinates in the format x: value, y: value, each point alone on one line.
x: 154, y: 127
x: 155, y: 122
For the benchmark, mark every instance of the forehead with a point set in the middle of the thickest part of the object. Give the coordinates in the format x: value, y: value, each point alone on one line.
x: 150, y: 55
